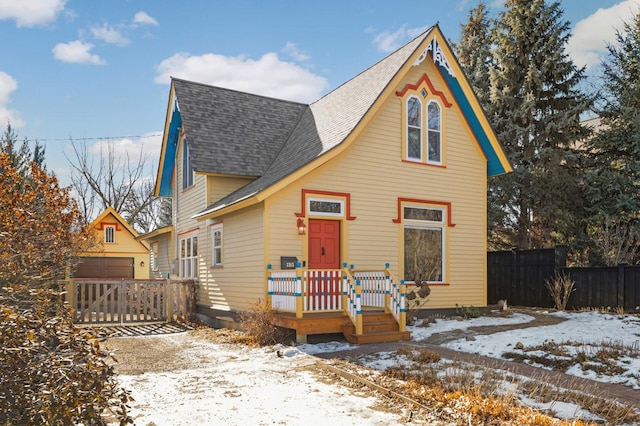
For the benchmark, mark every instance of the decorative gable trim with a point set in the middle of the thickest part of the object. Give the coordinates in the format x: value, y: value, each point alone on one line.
x: 438, y: 56
x: 425, y: 80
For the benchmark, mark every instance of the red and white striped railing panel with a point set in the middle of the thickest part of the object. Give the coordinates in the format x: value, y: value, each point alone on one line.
x: 323, y: 290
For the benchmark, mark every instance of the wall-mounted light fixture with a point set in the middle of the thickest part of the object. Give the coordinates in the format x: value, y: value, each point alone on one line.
x: 142, y: 263
x: 301, y: 226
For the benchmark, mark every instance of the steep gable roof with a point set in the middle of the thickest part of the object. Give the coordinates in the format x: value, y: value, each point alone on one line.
x: 110, y: 211
x: 231, y: 132
x: 305, y: 135
x: 326, y: 123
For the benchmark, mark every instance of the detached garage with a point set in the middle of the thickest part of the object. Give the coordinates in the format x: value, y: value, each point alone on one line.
x: 105, y: 267
x: 118, y: 255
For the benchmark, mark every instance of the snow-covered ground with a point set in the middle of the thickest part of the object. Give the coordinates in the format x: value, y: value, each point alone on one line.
x: 237, y: 385
x: 234, y: 385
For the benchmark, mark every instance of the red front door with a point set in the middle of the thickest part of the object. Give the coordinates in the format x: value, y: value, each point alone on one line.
x: 324, y: 244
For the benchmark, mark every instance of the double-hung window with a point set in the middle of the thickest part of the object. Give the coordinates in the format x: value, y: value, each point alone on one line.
x: 187, y: 168
x: 216, y: 245
x: 424, y: 243
x: 434, y: 135
x: 414, y: 129
x: 423, y: 131
x: 189, y: 257
x: 109, y: 234
x: 154, y: 257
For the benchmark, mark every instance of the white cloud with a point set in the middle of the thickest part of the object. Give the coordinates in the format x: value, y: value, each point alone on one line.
x: 588, y: 44
x: 29, y: 13
x: 388, y: 41
x: 268, y: 76
x: 142, y: 18
x: 76, y: 52
x: 109, y: 34
x: 8, y: 85
x: 148, y: 145
x: 293, y: 51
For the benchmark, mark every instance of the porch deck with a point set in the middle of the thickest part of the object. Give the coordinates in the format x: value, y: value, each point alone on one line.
x: 366, y: 306
x: 313, y: 322
x: 378, y: 326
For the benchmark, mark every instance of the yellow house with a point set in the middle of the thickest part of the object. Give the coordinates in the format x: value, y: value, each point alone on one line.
x: 329, y: 210
x: 119, y: 254
x: 161, y: 252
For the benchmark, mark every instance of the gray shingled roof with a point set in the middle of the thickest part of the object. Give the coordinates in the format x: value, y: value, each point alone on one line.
x: 231, y: 132
x: 325, y: 123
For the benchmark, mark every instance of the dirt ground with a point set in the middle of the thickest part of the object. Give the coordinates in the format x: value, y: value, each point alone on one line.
x: 139, y: 354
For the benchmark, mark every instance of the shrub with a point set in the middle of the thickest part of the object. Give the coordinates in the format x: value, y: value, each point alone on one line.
x: 258, y: 322
x: 468, y: 312
x: 50, y: 371
x: 560, y: 288
x: 417, y: 298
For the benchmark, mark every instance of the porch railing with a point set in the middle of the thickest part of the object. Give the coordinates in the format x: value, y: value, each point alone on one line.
x: 333, y: 290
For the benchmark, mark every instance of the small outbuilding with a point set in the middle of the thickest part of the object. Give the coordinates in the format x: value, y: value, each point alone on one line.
x: 118, y: 255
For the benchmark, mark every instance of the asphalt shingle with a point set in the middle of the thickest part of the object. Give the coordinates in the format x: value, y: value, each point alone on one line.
x: 231, y: 132
x: 238, y: 133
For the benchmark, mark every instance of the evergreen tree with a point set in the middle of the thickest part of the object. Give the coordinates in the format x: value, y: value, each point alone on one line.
x: 535, y: 107
x: 613, y: 182
x: 473, y: 51
x: 20, y: 155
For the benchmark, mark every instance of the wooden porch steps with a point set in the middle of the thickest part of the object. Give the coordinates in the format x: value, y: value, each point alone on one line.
x: 377, y: 327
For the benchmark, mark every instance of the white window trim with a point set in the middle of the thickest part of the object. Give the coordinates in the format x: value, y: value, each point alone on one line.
x: 192, y: 259
x: 328, y: 200
x: 421, y: 128
x: 107, y: 229
x: 428, y: 130
x: 217, y: 262
x: 187, y: 178
x: 154, y: 256
x: 433, y: 225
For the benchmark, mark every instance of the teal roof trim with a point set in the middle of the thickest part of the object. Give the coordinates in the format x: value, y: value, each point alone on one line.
x: 166, y: 189
x: 494, y: 165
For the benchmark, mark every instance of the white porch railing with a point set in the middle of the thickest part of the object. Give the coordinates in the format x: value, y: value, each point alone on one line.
x: 284, y: 288
x: 305, y: 291
x: 374, y: 287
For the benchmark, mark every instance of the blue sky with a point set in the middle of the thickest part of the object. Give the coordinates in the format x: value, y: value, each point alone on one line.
x: 98, y: 71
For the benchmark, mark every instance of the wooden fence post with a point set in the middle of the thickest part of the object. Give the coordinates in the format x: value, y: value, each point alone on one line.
x: 560, y: 257
x: 620, y: 284
x: 168, y: 300
x: 71, y: 296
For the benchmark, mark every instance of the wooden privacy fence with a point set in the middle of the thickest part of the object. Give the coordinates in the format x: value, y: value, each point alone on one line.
x: 605, y: 287
x: 519, y: 276
x: 99, y: 301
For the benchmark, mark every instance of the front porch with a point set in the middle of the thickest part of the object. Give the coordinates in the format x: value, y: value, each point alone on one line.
x: 366, y: 306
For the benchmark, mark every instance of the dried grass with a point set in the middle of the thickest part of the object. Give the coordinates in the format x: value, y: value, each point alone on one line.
x: 258, y: 322
x: 490, y: 397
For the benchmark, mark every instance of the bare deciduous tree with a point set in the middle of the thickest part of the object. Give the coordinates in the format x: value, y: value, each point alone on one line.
x: 617, y: 240
x: 108, y: 179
